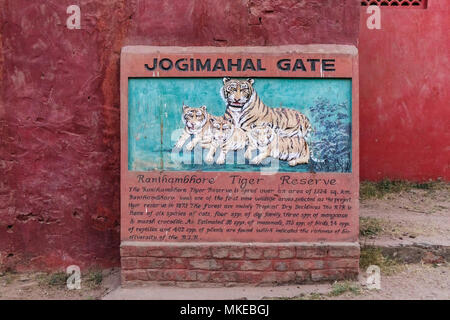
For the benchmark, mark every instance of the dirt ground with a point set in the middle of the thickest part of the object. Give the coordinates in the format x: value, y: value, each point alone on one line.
x: 411, y: 216
x: 414, y: 281
x: 41, y: 286
x: 416, y: 215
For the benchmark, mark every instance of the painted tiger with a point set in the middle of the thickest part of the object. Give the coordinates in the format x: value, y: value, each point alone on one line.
x: 225, y: 137
x: 246, y: 108
x: 264, y: 138
x: 197, y: 124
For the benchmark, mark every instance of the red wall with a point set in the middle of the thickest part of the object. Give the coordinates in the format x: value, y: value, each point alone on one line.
x: 59, y: 106
x: 404, y: 94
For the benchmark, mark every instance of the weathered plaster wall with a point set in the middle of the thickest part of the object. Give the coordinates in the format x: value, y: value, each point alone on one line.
x: 404, y: 94
x: 59, y: 106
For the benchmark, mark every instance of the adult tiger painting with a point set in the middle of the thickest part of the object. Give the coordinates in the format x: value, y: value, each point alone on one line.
x: 246, y: 108
x: 239, y: 124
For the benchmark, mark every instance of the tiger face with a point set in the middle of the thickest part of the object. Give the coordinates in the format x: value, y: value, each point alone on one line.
x: 237, y: 92
x: 263, y: 134
x: 221, y: 128
x: 194, y: 118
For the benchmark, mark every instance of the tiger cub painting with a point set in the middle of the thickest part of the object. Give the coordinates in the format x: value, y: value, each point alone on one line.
x: 225, y: 137
x: 265, y: 139
x: 246, y: 108
x: 196, y: 124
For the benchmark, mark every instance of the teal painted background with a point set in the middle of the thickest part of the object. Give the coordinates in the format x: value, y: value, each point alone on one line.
x: 155, y: 108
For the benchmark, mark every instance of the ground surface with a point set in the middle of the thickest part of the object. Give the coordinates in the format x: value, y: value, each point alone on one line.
x: 415, y: 281
x: 36, y: 286
x: 412, y: 216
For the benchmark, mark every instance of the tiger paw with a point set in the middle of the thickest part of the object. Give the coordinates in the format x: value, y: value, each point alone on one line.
x: 256, y: 160
x: 209, y: 159
x: 295, y: 162
x: 220, y: 160
x: 248, y: 155
x: 190, y: 146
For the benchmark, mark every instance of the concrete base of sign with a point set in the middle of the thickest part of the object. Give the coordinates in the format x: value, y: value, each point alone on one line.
x: 225, y: 264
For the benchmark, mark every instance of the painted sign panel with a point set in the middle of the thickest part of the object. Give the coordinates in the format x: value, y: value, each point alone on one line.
x: 239, y: 144
x: 161, y: 112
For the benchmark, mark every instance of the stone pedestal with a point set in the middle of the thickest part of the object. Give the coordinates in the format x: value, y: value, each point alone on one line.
x: 218, y: 264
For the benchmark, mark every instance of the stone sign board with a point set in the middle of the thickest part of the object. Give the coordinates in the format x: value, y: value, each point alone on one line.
x: 239, y: 164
